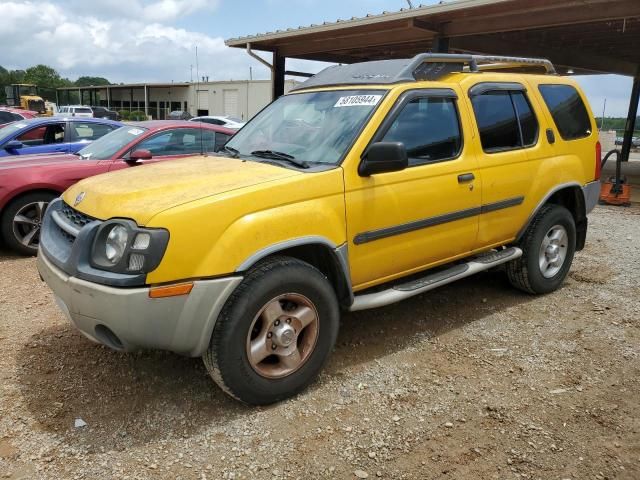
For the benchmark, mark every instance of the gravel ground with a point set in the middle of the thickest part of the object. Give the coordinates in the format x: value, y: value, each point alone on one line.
x: 471, y: 381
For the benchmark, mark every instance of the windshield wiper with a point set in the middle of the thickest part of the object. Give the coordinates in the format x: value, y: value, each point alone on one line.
x: 234, y: 152
x: 273, y: 155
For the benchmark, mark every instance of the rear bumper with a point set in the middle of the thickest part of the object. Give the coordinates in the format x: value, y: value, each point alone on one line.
x: 591, y: 193
x: 127, y: 319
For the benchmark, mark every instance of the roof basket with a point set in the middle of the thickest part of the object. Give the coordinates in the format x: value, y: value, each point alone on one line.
x: 425, y: 66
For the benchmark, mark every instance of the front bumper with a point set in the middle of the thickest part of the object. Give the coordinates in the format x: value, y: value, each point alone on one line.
x: 127, y: 319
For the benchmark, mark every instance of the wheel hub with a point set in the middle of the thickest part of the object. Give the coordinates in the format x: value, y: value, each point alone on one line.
x: 552, y: 251
x: 283, y: 335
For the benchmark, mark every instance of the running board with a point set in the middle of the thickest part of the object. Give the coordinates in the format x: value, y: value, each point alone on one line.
x: 435, y: 280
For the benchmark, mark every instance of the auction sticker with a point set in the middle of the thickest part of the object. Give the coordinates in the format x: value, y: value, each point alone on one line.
x: 358, y: 101
x: 135, y: 131
x: 20, y: 125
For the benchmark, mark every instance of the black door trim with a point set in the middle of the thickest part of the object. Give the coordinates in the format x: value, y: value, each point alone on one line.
x: 386, y: 232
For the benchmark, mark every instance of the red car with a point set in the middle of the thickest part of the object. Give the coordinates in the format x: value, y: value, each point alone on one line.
x: 8, y: 115
x: 29, y: 183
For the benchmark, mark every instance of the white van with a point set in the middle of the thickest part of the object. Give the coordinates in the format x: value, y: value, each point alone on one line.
x: 82, y: 111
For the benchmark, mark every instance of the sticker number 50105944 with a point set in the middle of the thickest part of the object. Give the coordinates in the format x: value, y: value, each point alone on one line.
x: 358, y: 101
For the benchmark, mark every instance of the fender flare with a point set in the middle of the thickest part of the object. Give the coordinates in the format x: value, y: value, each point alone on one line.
x: 542, y: 202
x: 339, y: 254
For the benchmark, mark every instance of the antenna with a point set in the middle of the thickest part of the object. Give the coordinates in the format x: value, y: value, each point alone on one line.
x: 410, y: 4
x: 197, y: 83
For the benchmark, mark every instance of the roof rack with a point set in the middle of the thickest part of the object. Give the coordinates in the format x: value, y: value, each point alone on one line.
x: 424, y: 66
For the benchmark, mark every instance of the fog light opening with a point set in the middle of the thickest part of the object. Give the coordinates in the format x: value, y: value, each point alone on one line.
x: 106, y: 336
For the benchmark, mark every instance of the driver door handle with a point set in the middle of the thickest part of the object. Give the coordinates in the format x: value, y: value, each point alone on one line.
x: 466, y: 177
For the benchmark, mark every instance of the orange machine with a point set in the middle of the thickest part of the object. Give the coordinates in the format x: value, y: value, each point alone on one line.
x: 616, y: 190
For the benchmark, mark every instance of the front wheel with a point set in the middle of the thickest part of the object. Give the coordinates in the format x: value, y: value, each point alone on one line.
x: 548, y: 246
x: 21, y: 222
x: 274, y: 333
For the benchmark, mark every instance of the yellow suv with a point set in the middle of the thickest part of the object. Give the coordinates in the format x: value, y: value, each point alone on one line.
x: 368, y: 184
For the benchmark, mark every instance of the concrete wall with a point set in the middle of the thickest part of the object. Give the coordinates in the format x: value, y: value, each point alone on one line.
x: 242, y: 99
x: 215, y: 98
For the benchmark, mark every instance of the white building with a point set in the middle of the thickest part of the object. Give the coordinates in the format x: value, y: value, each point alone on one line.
x: 238, y: 98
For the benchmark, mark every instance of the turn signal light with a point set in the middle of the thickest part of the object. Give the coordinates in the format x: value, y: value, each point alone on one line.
x: 171, y: 290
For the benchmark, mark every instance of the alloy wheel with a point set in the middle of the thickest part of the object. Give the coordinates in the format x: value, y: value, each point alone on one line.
x: 27, y: 223
x: 553, y: 251
x: 282, y: 335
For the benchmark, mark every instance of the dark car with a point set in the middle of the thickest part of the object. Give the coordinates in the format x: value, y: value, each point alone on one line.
x: 8, y: 115
x: 28, y: 184
x: 103, y: 112
x: 51, y: 135
x: 179, y: 115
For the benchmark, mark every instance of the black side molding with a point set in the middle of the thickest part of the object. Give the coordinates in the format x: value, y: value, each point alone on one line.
x: 386, y: 232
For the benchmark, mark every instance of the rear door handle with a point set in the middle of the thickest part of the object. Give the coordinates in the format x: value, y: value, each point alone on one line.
x: 466, y: 177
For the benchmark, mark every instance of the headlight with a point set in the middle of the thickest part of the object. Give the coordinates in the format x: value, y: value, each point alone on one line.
x: 116, y: 244
x: 120, y: 246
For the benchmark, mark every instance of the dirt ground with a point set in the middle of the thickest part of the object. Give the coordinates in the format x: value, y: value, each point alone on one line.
x: 472, y: 381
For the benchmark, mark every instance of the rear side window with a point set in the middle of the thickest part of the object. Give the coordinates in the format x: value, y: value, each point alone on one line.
x: 83, y: 110
x: 6, y: 117
x: 88, y: 131
x: 182, y: 141
x: 429, y: 129
x: 214, y: 141
x: 568, y: 111
x: 505, y: 120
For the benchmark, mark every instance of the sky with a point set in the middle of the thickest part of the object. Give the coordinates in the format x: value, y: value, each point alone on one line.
x: 155, y: 40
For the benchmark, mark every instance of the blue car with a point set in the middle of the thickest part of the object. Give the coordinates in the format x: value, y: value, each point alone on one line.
x: 52, y: 135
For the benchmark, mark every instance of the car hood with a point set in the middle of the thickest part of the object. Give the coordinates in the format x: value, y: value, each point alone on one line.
x: 141, y: 192
x: 31, y: 161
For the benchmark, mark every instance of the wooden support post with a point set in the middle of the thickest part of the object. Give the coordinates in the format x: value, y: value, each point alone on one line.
x: 278, y: 75
x: 440, y: 45
x: 631, y: 117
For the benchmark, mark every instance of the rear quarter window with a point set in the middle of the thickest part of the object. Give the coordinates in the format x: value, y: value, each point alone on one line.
x: 568, y: 111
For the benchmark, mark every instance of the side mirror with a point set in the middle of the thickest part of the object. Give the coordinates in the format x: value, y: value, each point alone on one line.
x: 13, y: 145
x: 383, y: 157
x: 139, y: 155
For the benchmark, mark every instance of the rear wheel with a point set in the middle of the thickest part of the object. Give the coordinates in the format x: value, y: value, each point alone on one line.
x: 274, y: 333
x: 548, y: 247
x: 21, y: 222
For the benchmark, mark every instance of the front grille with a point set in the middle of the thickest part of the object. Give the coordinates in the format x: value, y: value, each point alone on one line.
x: 77, y: 218
x: 67, y: 236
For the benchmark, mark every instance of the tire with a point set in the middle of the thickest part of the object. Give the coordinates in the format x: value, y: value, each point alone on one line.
x: 529, y: 273
x: 273, y: 300
x: 23, y: 236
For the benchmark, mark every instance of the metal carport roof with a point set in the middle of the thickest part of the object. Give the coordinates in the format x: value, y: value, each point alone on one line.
x: 583, y: 36
x: 589, y: 35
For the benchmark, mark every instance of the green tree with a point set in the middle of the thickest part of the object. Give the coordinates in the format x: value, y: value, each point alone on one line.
x: 44, y: 76
x: 91, y: 81
x: 8, y: 77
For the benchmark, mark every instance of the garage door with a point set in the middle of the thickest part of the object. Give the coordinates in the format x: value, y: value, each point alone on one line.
x: 230, y: 99
x: 203, y: 100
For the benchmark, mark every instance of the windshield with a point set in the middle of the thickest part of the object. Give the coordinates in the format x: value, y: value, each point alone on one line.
x: 106, y: 147
x: 11, y: 128
x: 28, y: 90
x: 315, y: 127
